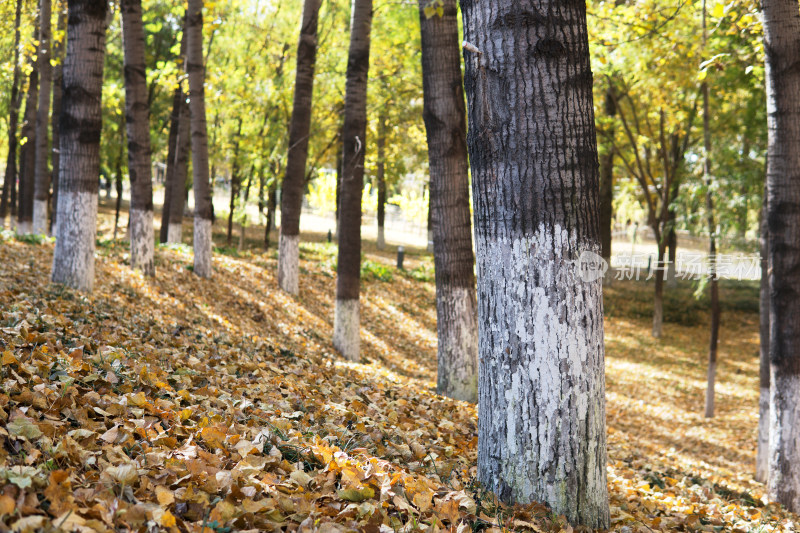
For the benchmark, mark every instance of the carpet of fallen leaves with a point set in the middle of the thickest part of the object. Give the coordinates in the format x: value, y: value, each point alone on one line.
x: 219, y: 405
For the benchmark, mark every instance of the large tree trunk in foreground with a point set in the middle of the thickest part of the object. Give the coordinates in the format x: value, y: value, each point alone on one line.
x: 380, y: 178
x: 58, y: 54
x: 81, y: 124
x: 445, y: 123
x: 762, y: 455
x: 348, y: 274
x: 299, y: 131
x: 27, y: 155
x: 41, y: 193
x: 782, y: 46
x: 137, y: 118
x: 10, y: 176
x: 533, y: 152
x: 195, y: 68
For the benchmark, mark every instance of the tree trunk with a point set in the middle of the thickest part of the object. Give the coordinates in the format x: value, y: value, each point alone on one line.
x: 180, y: 176
x: 672, y: 252
x: 380, y: 176
x: 299, y: 131
x: 762, y: 456
x: 10, y: 176
x: 430, y: 220
x: 81, y: 124
x: 445, y: 123
x: 243, y: 220
x: 348, y: 274
x: 712, y: 245
x: 533, y: 153
x: 27, y: 155
x: 236, y: 181
x: 272, y: 206
x: 781, y: 30
x: 58, y: 54
x: 118, y: 180
x: 339, y: 163
x: 137, y: 118
x: 172, y: 147
x: 607, y: 183
x: 41, y: 194
x: 658, y: 297
x: 195, y: 69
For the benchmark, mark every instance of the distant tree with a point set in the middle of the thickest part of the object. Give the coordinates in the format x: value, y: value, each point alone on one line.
x: 137, y: 121
x: 81, y: 125
x: 445, y: 122
x: 380, y: 178
x: 533, y: 153
x: 27, y: 154
x: 236, y: 180
x: 195, y: 68
x: 782, y: 47
x: 607, y: 179
x: 179, y: 173
x: 299, y: 132
x: 58, y: 55
x: 10, y: 175
x: 169, y: 174
x: 41, y: 194
x: 346, y: 331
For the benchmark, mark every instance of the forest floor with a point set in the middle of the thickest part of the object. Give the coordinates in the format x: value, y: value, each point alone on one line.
x: 185, y: 404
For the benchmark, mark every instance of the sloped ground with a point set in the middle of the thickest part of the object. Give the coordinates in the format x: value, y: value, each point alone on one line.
x: 215, y: 405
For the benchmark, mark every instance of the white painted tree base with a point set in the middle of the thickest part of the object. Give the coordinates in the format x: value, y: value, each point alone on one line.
x: 175, y: 233
x: 39, y: 217
x: 73, y: 258
x: 381, y: 242
x: 202, y: 247
x: 24, y: 227
x: 289, y: 263
x: 784, y: 440
x: 457, y: 319
x: 142, y: 241
x: 542, y: 434
x: 347, y: 329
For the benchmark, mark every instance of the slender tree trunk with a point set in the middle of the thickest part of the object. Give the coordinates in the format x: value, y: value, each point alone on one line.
x: 58, y: 54
x: 272, y: 206
x: 172, y: 147
x: 41, y: 194
x: 236, y: 181
x: 10, y: 176
x: 81, y: 124
x: 445, y: 123
x: 782, y: 46
x: 762, y: 456
x: 346, y: 332
x: 137, y: 117
x: 658, y: 277
x: 299, y: 131
x: 203, y: 211
x: 243, y: 220
x: 339, y: 164
x: 181, y: 173
x: 27, y: 155
x: 607, y: 183
x: 672, y: 252
x: 712, y: 245
x: 118, y: 180
x: 380, y: 176
x: 533, y: 153
x: 430, y: 220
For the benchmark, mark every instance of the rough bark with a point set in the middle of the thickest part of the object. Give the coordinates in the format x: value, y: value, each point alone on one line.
x: 445, y: 123
x: 533, y: 153
x: 380, y: 175
x: 299, y: 131
x: 195, y: 69
x: 762, y: 455
x: 80, y: 125
x: 10, y: 175
x: 58, y: 54
x: 41, y: 188
x: 782, y: 52
x: 348, y: 273
x: 27, y: 155
x: 137, y: 118
x: 607, y: 182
